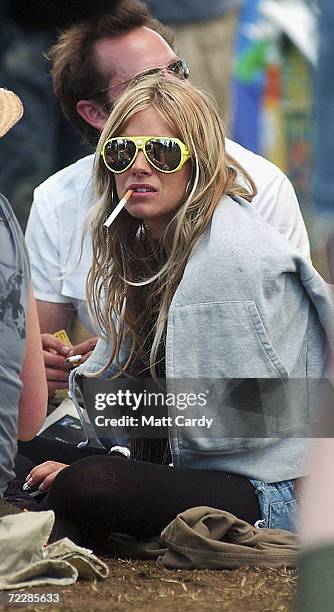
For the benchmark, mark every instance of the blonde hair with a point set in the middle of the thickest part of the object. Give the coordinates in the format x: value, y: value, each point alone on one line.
x: 133, y: 279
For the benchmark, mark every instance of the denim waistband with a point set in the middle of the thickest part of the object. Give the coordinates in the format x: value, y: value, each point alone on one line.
x: 278, y: 504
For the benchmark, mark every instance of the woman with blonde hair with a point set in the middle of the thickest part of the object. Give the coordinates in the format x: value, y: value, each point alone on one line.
x: 158, y: 230
x: 189, y: 285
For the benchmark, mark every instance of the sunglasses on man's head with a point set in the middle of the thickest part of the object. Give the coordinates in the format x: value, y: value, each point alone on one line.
x: 164, y: 153
x: 180, y: 68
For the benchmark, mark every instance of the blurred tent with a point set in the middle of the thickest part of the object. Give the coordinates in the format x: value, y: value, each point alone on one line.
x: 275, y: 55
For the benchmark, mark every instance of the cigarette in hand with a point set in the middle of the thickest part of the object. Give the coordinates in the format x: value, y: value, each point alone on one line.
x: 118, y: 208
x: 73, y: 359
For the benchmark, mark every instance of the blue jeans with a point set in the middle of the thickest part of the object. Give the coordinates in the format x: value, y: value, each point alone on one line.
x: 278, y: 504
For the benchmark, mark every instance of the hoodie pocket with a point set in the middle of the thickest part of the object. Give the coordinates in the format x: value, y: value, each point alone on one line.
x: 264, y: 339
x: 224, y: 340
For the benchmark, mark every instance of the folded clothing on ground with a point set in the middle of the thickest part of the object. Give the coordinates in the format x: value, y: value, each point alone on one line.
x: 26, y: 559
x: 206, y: 538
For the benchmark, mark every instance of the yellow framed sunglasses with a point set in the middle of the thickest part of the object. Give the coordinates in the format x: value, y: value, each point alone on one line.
x: 164, y: 153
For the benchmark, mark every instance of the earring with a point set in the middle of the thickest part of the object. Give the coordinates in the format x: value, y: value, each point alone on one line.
x: 125, y: 287
x: 106, y: 265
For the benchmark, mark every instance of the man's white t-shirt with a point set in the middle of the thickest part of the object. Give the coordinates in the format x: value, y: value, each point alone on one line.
x: 60, y: 261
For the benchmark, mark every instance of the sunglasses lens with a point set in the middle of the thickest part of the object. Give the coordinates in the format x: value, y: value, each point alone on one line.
x: 165, y: 154
x: 180, y: 68
x: 119, y: 154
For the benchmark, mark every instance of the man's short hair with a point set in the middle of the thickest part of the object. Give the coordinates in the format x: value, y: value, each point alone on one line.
x: 75, y: 73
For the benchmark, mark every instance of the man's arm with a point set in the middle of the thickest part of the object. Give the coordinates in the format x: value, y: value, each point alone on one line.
x: 55, y: 311
x: 47, y: 250
x: 45, y: 245
x: 53, y: 317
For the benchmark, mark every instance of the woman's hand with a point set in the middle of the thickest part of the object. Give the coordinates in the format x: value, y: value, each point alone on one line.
x: 43, y: 475
x: 85, y: 349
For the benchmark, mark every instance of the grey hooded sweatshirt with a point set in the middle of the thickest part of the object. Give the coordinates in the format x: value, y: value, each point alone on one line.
x: 248, y: 327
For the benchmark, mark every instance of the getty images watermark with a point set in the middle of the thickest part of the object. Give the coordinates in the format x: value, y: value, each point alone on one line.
x: 203, y: 408
x: 143, y: 402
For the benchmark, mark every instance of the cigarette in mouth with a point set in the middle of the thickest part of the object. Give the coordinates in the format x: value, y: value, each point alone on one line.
x: 118, y: 208
x: 73, y: 358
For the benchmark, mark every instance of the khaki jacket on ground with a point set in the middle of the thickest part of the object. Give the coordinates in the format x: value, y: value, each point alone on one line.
x: 206, y: 538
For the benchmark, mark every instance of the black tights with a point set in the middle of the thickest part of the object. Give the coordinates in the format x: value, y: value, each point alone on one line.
x: 100, y: 494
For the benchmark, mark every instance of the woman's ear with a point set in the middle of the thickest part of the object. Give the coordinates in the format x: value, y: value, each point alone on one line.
x: 92, y: 113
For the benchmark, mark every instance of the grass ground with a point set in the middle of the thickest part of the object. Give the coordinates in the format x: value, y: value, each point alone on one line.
x: 140, y: 585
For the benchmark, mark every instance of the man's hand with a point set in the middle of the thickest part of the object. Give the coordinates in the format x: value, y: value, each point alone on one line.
x: 55, y: 353
x: 44, y: 474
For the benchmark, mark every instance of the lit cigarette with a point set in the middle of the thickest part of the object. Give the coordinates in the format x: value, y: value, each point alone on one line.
x: 118, y: 208
x: 73, y: 359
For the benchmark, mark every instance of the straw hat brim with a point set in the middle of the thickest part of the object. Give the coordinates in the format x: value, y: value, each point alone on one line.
x: 11, y: 110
